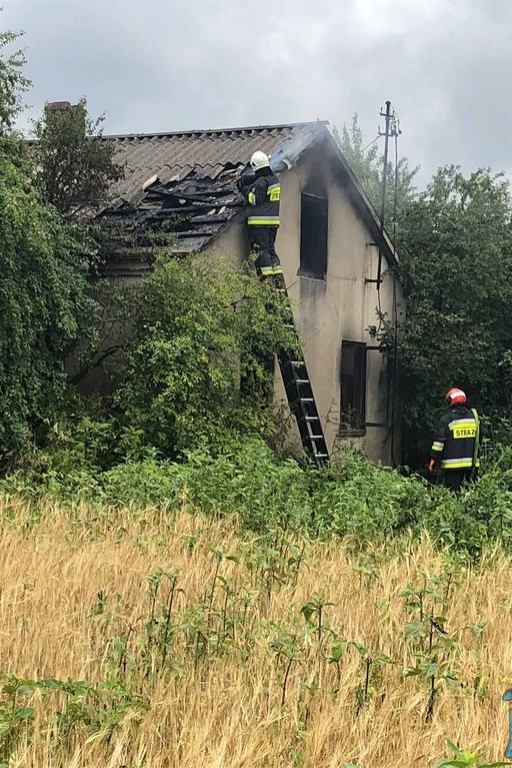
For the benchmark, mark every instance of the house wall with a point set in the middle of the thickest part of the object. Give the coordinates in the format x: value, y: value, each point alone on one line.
x: 341, y: 307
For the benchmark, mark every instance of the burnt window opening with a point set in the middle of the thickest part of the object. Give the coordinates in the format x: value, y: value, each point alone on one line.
x: 314, y: 222
x: 353, y: 386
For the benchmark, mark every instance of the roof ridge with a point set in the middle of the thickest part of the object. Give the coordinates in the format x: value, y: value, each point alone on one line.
x: 202, y: 132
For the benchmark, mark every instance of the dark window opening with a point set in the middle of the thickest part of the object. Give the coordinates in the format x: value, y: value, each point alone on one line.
x: 353, y: 386
x: 314, y: 221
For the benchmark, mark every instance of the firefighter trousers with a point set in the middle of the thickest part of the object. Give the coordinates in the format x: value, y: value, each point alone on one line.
x: 262, y: 241
x: 454, y: 479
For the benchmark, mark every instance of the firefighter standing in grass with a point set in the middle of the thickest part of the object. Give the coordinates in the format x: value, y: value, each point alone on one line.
x: 456, y: 442
x: 262, y: 191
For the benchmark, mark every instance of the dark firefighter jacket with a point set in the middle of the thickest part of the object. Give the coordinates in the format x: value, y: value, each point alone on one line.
x: 264, y: 195
x: 454, y: 442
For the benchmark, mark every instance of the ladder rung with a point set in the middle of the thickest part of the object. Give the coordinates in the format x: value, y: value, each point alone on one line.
x: 297, y: 362
x: 302, y: 381
x: 312, y: 418
x: 321, y: 455
x: 316, y: 437
x: 306, y: 399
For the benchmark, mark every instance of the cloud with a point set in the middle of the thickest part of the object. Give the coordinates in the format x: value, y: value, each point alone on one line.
x: 168, y: 65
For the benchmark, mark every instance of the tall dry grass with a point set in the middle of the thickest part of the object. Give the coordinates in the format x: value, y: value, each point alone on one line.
x: 71, y: 583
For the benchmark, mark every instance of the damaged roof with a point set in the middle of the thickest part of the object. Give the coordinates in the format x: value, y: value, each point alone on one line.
x: 179, y: 215
x: 180, y: 190
x: 173, y: 156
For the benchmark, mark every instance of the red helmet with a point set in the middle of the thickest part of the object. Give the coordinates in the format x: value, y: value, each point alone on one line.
x: 455, y: 396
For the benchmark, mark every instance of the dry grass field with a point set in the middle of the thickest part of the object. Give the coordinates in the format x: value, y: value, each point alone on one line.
x: 137, y: 639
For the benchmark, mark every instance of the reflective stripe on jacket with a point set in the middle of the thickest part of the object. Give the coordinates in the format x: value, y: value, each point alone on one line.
x: 454, y: 441
x: 264, y: 195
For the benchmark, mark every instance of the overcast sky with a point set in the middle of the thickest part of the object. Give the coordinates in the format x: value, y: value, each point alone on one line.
x: 164, y: 65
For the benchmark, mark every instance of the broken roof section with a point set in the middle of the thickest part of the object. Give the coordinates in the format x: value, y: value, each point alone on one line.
x: 180, y: 189
x: 181, y: 216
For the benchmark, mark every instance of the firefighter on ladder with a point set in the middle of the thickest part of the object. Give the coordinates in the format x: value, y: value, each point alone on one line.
x: 262, y: 191
x: 456, y: 442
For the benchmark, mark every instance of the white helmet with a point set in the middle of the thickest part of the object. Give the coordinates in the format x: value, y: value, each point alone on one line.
x: 259, y: 160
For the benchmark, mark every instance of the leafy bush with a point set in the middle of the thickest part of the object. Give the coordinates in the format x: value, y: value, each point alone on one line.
x: 355, y: 498
x: 202, y: 329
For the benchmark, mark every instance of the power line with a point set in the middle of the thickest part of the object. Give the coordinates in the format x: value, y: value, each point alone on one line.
x: 371, y: 142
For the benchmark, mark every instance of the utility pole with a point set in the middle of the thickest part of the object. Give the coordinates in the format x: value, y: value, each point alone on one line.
x: 391, y: 129
x: 387, y: 117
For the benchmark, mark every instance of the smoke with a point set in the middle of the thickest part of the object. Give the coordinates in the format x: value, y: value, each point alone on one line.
x: 287, y: 156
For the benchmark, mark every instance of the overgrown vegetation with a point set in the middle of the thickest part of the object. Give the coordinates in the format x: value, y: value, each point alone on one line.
x: 13, y: 82
x: 352, y: 498
x: 457, y: 257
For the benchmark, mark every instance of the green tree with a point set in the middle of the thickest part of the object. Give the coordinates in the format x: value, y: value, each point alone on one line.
x: 456, y: 264
x: 43, y: 287
x: 74, y: 165
x: 12, y: 82
x: 43, y: 302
